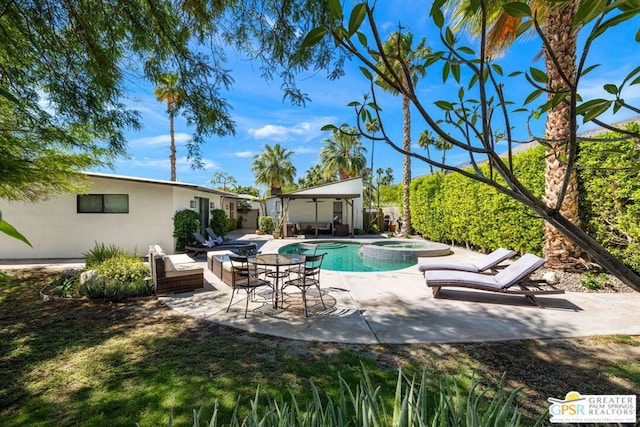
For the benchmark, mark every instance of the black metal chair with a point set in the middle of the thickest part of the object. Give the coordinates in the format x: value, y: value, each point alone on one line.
x: 245, y: 276
x: 307, y: 276
x: 307, y: 248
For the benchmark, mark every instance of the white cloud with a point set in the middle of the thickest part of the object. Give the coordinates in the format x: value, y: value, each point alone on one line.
x: 157, y: 140
x: 182, y: 163
x: 304, y: 131
x: 306, y: 149
x: 243, y: 154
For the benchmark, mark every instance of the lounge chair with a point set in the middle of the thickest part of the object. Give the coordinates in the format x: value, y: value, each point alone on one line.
x: 205, y: 245
x: 485, y: 263
x: 214, y: 236
x: 514, y: 279
x: 209, y: 243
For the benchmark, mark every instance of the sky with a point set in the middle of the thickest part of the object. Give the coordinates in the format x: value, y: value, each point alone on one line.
x: 262, y: 116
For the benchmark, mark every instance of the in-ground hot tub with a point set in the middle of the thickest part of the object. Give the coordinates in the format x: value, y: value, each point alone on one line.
x: 404, y: 250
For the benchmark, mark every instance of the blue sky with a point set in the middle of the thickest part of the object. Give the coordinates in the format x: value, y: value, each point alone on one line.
x: 262, y: 117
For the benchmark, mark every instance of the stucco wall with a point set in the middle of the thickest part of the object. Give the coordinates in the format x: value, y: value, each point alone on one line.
x: 56, y: 230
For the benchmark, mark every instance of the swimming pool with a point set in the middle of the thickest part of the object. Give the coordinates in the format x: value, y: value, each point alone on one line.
x: 347, y: 256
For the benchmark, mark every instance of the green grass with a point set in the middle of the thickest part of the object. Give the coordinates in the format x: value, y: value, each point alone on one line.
x: 69, y: 363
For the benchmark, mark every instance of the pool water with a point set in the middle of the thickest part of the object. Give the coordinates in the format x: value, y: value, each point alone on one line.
x: 346, y: 256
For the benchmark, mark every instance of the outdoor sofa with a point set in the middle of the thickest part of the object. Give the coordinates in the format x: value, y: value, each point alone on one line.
x: 310, y: 228
x: 174, y: 273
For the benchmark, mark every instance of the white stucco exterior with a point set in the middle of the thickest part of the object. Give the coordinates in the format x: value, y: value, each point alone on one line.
x: 57, y: 230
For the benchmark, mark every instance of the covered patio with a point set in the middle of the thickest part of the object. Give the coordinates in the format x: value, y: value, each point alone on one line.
x: 334, y: 208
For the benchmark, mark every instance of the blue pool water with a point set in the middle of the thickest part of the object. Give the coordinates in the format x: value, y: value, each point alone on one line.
x: 346, y: 256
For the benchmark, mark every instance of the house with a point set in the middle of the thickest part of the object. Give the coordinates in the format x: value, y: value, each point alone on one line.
x: 129, y: 212
x: 334, y: 208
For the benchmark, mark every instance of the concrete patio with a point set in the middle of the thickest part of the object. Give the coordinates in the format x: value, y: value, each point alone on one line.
x: 396, y: 307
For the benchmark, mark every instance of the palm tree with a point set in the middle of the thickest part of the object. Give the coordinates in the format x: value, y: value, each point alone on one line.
x: 443, y: 145
x: 274, y: 168
x: 372, y: 126
x: 343, y: 153
x: 170, y: 92
x: 424, y: 141
x: 409, y: 64
x: 315, y: 176
x: 560, y: 63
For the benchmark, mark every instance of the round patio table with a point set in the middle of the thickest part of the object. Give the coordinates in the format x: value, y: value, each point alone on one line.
x: 276, y: 261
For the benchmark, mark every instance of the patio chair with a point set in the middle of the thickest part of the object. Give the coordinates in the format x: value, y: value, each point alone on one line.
x: 212, y: 235
x: 487, y: 262
x: 514, y: 279
x: 207, y: 243
x: 308, y: 275
x: 245, y: 277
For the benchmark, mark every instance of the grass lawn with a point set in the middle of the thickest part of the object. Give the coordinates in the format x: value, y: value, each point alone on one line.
x: 69, y: 363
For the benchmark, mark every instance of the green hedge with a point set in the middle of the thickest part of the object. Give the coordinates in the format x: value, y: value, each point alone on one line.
x: 610, y: 196
x: 452, y: 208
x: 456, y: 209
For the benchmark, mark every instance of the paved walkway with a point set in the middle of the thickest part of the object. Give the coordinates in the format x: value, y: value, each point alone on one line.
x: 396, y: 307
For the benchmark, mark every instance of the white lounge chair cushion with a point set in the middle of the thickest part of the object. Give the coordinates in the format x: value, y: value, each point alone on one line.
x: 448, y: 266
x: 511, y: 275
x: 484, y: 263
x: 470, y: 279
x: 519, y: 270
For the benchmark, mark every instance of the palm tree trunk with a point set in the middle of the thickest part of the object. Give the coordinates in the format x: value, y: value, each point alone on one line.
x: 172, y: 156
x: 406, y: 172
x: 560, y: 251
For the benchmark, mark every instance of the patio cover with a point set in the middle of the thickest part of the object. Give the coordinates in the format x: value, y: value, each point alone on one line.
x: 348, y: 198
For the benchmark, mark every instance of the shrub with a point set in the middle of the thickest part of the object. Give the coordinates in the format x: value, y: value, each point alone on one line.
x: 610, y: 195
x: 66, y: 285
x: 120, y: 278
x: 185, y: 223
x: 101, y: 253
x: 456, y: 209
x: 362, y: 404
x: 219, y: 222
x: 265, y: 223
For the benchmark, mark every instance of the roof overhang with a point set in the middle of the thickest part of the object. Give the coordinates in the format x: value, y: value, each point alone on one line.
x: 294, y: 196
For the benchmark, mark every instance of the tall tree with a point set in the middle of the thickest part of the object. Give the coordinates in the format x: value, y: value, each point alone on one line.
x: 561, y: 182
x: 226, y: 179
x: 443, y: 145
x: 66, y: 68
x: 273, y: 167
x: 168, y: 90
x: 409, y: 64
x: 315, y: 176
x: 477, y: 115
x: 371, y: 127
x: 426, y: 140
x: 344, y: 153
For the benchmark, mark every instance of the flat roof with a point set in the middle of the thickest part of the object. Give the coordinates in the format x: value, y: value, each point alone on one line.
x: 317, y: 196
x: 161, y: 182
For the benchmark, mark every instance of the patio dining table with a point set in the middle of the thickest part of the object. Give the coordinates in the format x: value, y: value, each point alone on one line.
x: 276, y: 261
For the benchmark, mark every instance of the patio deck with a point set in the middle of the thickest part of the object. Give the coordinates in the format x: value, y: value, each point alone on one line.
x: 396, y: 307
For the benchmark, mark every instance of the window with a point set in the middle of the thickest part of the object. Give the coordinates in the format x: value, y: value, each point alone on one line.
x: 103, y: 203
